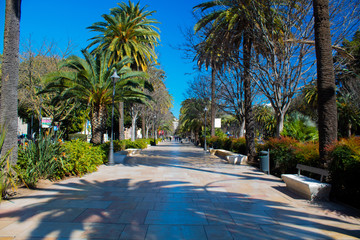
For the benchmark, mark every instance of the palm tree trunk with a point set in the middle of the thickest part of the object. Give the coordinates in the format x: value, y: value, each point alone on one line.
x: 121, y: 121
x: 143, y: 125
x: 249, y: 116
x: 197, y: 135
x: 10, y: 77
x: 213, y: 103
x: 326, y: 80
x: 98, y: 124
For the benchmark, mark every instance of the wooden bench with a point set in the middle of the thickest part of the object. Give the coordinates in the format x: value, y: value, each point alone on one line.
x: 307, y: 187
x: 232, y: 158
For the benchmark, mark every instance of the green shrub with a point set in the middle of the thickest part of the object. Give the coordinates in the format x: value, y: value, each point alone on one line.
x: 212, y: 142
x: 345, y: 170
x: 120, y: 145
x: 80, y: 136
x: 301, y: 128
x: 40, y: 159
x: 219, y: 133
x: 217, y: 142
x: 227, y: 143
x: 150, y: 141
x: 142, y: 143
x: 282, y: 157
x: 307, y: 154
x: 81, y: 157
x: 239, y: 145
x: 130, y: 144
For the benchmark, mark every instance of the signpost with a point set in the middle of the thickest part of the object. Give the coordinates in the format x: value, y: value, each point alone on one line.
x: 46, y: 122
x: 217, y: 122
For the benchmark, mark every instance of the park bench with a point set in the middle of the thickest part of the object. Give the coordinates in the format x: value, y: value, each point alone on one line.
x: 133, y: 151
x: 309, y: 188
x: 121, y: 155
x: 232, y: 158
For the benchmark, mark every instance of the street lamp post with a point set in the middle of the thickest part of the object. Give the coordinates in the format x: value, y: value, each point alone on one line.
x: 154, y: 130
x: 114, y: 77
x: 40, y: 117
x: 205, y: 109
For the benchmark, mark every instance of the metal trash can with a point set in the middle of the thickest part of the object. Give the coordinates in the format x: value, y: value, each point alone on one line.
x: 265, y: 161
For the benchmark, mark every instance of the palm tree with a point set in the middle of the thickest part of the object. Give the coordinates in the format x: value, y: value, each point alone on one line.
x: 192, y: 116
x: 127, y: 31
x: 232, y: 23
x: 89, y: 83
x: 207, y: 54
x: 326, y: 80
x: 10, y: 77
x: 349, y: 114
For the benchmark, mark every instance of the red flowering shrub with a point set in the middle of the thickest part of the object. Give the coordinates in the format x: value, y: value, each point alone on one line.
x: 239, y: 145
x: 345, y: 170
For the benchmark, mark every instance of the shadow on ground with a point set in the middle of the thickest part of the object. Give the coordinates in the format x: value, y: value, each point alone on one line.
x: 124, y: 208
x: 163, y: 210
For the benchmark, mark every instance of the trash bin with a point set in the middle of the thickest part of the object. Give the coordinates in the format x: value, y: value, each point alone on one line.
x: 265, y: 161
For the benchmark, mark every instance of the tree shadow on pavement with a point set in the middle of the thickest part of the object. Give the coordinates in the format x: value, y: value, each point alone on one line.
x: 126, y: 209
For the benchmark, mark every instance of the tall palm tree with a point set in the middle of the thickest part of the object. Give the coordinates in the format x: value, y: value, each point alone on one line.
x: 89, y: 83
x: 127, y: 31
x: 232, y: 23
x: 10, y: 77
x: 192, y: 116
x: 326, y: 79
x: 207, y: 54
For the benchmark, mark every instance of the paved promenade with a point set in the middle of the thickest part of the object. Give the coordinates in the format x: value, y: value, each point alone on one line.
x: 173, y: 191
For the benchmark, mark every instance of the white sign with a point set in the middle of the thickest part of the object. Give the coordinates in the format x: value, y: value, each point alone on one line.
x: 217, y: 122
x: 46, y: 122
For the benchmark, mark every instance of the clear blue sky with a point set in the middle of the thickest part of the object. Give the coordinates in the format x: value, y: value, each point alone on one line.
x: 61, y: 21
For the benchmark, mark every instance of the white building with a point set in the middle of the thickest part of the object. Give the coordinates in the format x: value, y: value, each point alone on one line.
x: 175, y: 123
x: 22, y: 127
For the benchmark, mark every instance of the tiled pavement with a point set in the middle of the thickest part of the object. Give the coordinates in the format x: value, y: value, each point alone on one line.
x: 173, y: 191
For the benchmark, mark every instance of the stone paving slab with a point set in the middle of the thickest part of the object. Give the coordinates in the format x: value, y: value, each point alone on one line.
x: 173, y: 191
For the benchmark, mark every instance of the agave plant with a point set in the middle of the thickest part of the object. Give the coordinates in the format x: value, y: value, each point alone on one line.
x: 40, y: 159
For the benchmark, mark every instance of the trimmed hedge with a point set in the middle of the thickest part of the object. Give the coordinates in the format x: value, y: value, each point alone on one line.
x: 75, y: 136
x: 345, y: 171
x: 286, y: 152
x: 344, y: 168
x: 80, y: 157
x: 120, y: 145
x: 237, y: 145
